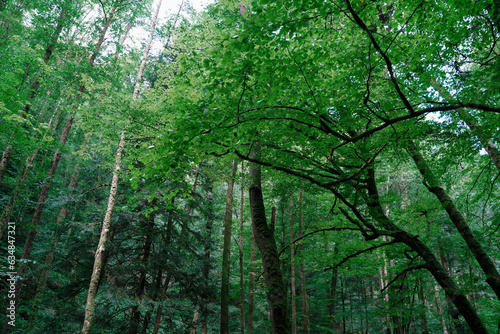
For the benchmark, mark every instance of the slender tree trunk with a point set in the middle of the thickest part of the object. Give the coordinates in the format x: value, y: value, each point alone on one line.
x: 53, y: 245
x: 303, y: 290
x: 96, y: 272
x: 135, y: 314
x: 333, y: 296
x: 102, y: 36
x: 160, y: 307
x: 251, y: 284
x: 439, y: 310
x: 5, y: 161
x: 240, y: 244
x: 146, y: 51
x: 44, y: 193
x: 264, y: 238
x: 292, y: 270
x: 48, y: 54
x: 226, y: 253
x: 431, y: 262
x: 206, y: 264
x: 122, y: 41
x: 432, y: 183
x: 15, y: 193
x: 423, y: 314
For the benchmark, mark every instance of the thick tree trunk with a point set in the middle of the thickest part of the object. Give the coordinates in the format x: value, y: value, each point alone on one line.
x: 146, y: 52
x: 226, y: 253
x: 240, y: 245
x: 303, y: 290
x: 265, y: 241
x: 431, y: 262
x: 432, y: 183
x: 292, y: 270
x: 101, y: 247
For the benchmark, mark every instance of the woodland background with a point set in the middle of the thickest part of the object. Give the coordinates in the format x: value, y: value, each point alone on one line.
x: 300, y: 166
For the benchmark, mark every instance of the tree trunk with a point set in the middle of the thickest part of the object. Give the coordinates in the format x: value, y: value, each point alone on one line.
x: 122, y: 41
x: 240, y: 244
x: 96, y: 272
x: 226, y: 253
x: 265, y: 241
x: 160, y: 307
x: 48, y: 54
x: 431, y: 182
x: 44, y: 193
x: 251, y: 284
x: 135, y: 314
x: 146, y: 51
x: 53, y: 246
x: 292, y: 270
x: 102, y: 36
x: 15, y: 193
x: 303, y: 290
x: 431, y: 263
x: 5, y: 161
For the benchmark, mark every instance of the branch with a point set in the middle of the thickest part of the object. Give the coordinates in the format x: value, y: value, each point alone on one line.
x: 317, y: 231
x: 422, y: 266
x: 347, y: 258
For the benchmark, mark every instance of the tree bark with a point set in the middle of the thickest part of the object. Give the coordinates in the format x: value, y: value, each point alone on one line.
x: 264, y: 238
x: 146, y: 52
x: 432, y: 183
x: 96, y: 272
x: 226, y: 253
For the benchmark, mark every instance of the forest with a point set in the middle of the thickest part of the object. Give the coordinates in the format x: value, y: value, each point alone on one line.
x: 294, y: 166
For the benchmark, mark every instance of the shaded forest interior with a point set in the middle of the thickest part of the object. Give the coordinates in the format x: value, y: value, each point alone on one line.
x: 252, y: 167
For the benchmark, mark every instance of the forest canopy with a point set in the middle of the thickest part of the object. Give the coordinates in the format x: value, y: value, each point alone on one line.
x: 254, y: 167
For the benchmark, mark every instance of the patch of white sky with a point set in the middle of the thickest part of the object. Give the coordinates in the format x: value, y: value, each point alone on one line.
x: 139, y: 35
